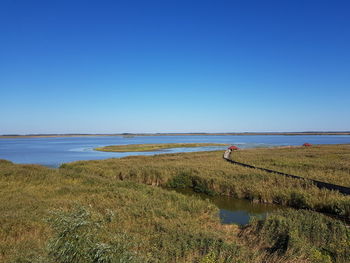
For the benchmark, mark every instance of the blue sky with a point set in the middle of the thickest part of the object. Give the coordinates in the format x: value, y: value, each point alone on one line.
x: 174, y: 66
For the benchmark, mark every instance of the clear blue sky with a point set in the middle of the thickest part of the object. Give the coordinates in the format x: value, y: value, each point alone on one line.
x: 174, y: 66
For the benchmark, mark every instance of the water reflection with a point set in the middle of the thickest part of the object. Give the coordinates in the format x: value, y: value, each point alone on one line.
x: 234, y: 211
x: 57, y: 150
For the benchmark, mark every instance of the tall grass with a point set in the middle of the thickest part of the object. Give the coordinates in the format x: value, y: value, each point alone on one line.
x: 162, y: 226
x: 108, y: 211
x: 300, y: 236
x: 80, y: 238
x: 328, y: 163
x: 152, y: 147
x: 207, y: 172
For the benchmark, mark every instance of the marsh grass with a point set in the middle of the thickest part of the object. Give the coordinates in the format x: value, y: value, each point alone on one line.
x: 207, y: 172
x: 153, y: 147
x: 327, y: 163
x: 163, y: 226
x: 110, y: 209
x: 291, y: 235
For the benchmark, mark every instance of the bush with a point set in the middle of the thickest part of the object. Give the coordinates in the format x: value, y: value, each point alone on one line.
x: 77, y: 240
x: 182, y: 180
x: 299, y: 234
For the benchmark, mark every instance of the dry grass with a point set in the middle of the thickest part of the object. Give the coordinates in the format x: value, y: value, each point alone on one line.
x: 328, y: 163
x: 207, y: 172
x: 153, y: 147
x: 154, y: 217
x: 164, y: 226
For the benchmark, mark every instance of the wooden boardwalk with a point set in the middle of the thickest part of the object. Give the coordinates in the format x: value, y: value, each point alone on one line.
x: 341, y: 189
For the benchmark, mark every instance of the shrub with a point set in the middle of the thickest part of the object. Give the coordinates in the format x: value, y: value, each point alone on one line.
x: 299, y: 234
x: 182, y: 180
x: 77, y: 240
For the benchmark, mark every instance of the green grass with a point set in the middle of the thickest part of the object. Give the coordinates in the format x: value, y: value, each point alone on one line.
x: 163, y: 226
x: 153, y: 147
x: 327, y: 163
x: 300, y: 236
x: 207, y: 172
x: 112, y: 211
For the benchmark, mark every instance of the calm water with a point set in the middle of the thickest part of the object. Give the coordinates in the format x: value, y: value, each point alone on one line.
x: 55, y: 151
x: 234, y: 211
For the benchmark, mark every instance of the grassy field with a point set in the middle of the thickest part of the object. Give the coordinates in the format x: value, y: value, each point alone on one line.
x: 327, y: 163
x: 207, y: 172
x: 112, y: 211
x: 152, y: 147
x: 157, y: 225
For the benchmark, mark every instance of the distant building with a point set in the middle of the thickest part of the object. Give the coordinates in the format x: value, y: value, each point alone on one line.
x: 229, y: 150
x: 307, y: 144
x: 233, y: 148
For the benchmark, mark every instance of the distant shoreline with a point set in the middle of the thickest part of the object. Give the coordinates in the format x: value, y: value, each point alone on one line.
x: 153, y: 147
x: 8, y: 136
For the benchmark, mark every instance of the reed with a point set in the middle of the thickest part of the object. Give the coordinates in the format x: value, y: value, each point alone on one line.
x: 108, y: 211
x: 153, y: 147
x: 328, y: 163
x: 207, y: 172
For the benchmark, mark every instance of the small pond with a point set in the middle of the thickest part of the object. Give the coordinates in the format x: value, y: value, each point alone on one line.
x: 234, y: 211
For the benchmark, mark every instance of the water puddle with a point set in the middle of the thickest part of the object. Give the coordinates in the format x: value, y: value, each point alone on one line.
x: 234, y: 211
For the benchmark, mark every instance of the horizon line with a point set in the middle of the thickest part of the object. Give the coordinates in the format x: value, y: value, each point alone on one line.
x: 174, y: 133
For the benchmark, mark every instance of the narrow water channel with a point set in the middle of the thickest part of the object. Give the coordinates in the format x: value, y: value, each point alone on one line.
x: 234, y: 211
